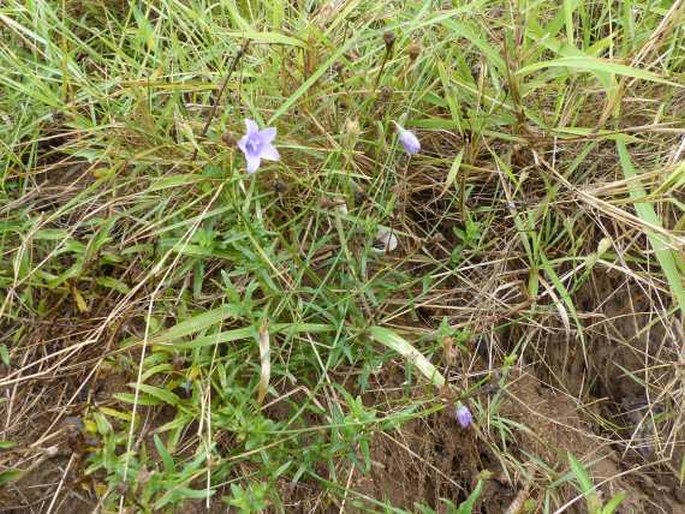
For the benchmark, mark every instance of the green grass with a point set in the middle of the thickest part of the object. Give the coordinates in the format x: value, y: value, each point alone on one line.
x: 237, y: 339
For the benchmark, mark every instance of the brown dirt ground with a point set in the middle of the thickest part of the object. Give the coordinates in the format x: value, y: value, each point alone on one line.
x: 433, y: 459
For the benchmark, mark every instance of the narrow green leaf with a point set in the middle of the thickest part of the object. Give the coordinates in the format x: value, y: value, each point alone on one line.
x: 581, y: 475
x: 563, y: 293
x: 157, y: 392
x: 466, y: 507
x: 646, y: 212
x: 454, y: 169
x: 614, y: 503
x: 569, y: 6
x: 595, y: 64
x: 10, y: 475
x: 289, y: 329
x: 148, y: 401
x: 167, y: 460
x: 269, y: 38
x: 587, y: 487
x: 4, y: 354
x: 196, y: 324
x: 112, y: 283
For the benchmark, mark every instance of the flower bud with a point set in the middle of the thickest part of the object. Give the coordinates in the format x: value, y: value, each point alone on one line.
x: 389, y: 38
x: 409, y: 141
x: 414, y: 50
x: 463, y: 415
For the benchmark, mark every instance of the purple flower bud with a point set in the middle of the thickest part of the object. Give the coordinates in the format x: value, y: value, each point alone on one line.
x: 409, y: 141
x: 256, y: 145
x: 464, y: 416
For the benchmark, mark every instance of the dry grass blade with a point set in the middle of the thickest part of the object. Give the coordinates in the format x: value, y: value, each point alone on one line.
x: 265, y: 362
x: 393, y: 341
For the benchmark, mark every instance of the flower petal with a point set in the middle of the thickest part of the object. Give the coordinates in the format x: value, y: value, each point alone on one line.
x: 267, y: 135
x: 251, y: 126
x: 270, y: 153
x: 252, y: 163
x: 241, y: 144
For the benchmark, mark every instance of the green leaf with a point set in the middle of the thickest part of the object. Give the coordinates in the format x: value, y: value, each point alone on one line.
x: 157, y: 392
x: 595, y: 64
x: 112, y: 283
x: 563, y: 292
x: 196, y: 324
x: 466, y: 507
x: 454, y: 169
x: 581, y: 475
x: 587, y: 487
x: 248, y: 332
x: 394, y: 342
x: 131, y: 398
x: 10, y: 475
x: 645, y: 210
x: 167, y: 460
x: 4, y: 354
x: 614, y: 503
x: 269, y: 38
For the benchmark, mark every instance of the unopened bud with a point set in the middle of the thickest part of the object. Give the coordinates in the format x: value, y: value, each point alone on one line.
x: 463, y: 415
x: 389, y: 38
x: 414, y: 50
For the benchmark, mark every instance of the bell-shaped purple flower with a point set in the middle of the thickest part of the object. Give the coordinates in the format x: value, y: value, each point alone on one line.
x: 409, y: 141
x: 464, y: 416
x: 256, y: 145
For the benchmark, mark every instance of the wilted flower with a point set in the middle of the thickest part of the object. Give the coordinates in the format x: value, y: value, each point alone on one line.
x: 256, y: 145
x: 352, y: 127
x: 409, y: 140
x: 464, y: 416
x: 386, y: 239
x: 352, y: 132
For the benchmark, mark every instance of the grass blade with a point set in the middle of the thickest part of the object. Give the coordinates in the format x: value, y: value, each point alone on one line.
x: 390, y: 339
x: 646, y: 212
x: 596, y: 64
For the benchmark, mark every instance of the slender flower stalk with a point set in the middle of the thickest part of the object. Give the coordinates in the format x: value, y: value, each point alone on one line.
x: 389, y: 40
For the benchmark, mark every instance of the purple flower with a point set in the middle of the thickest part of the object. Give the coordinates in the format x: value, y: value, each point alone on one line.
x: 256, y: 145
x: 464, y: 416
x: 409, y: 141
